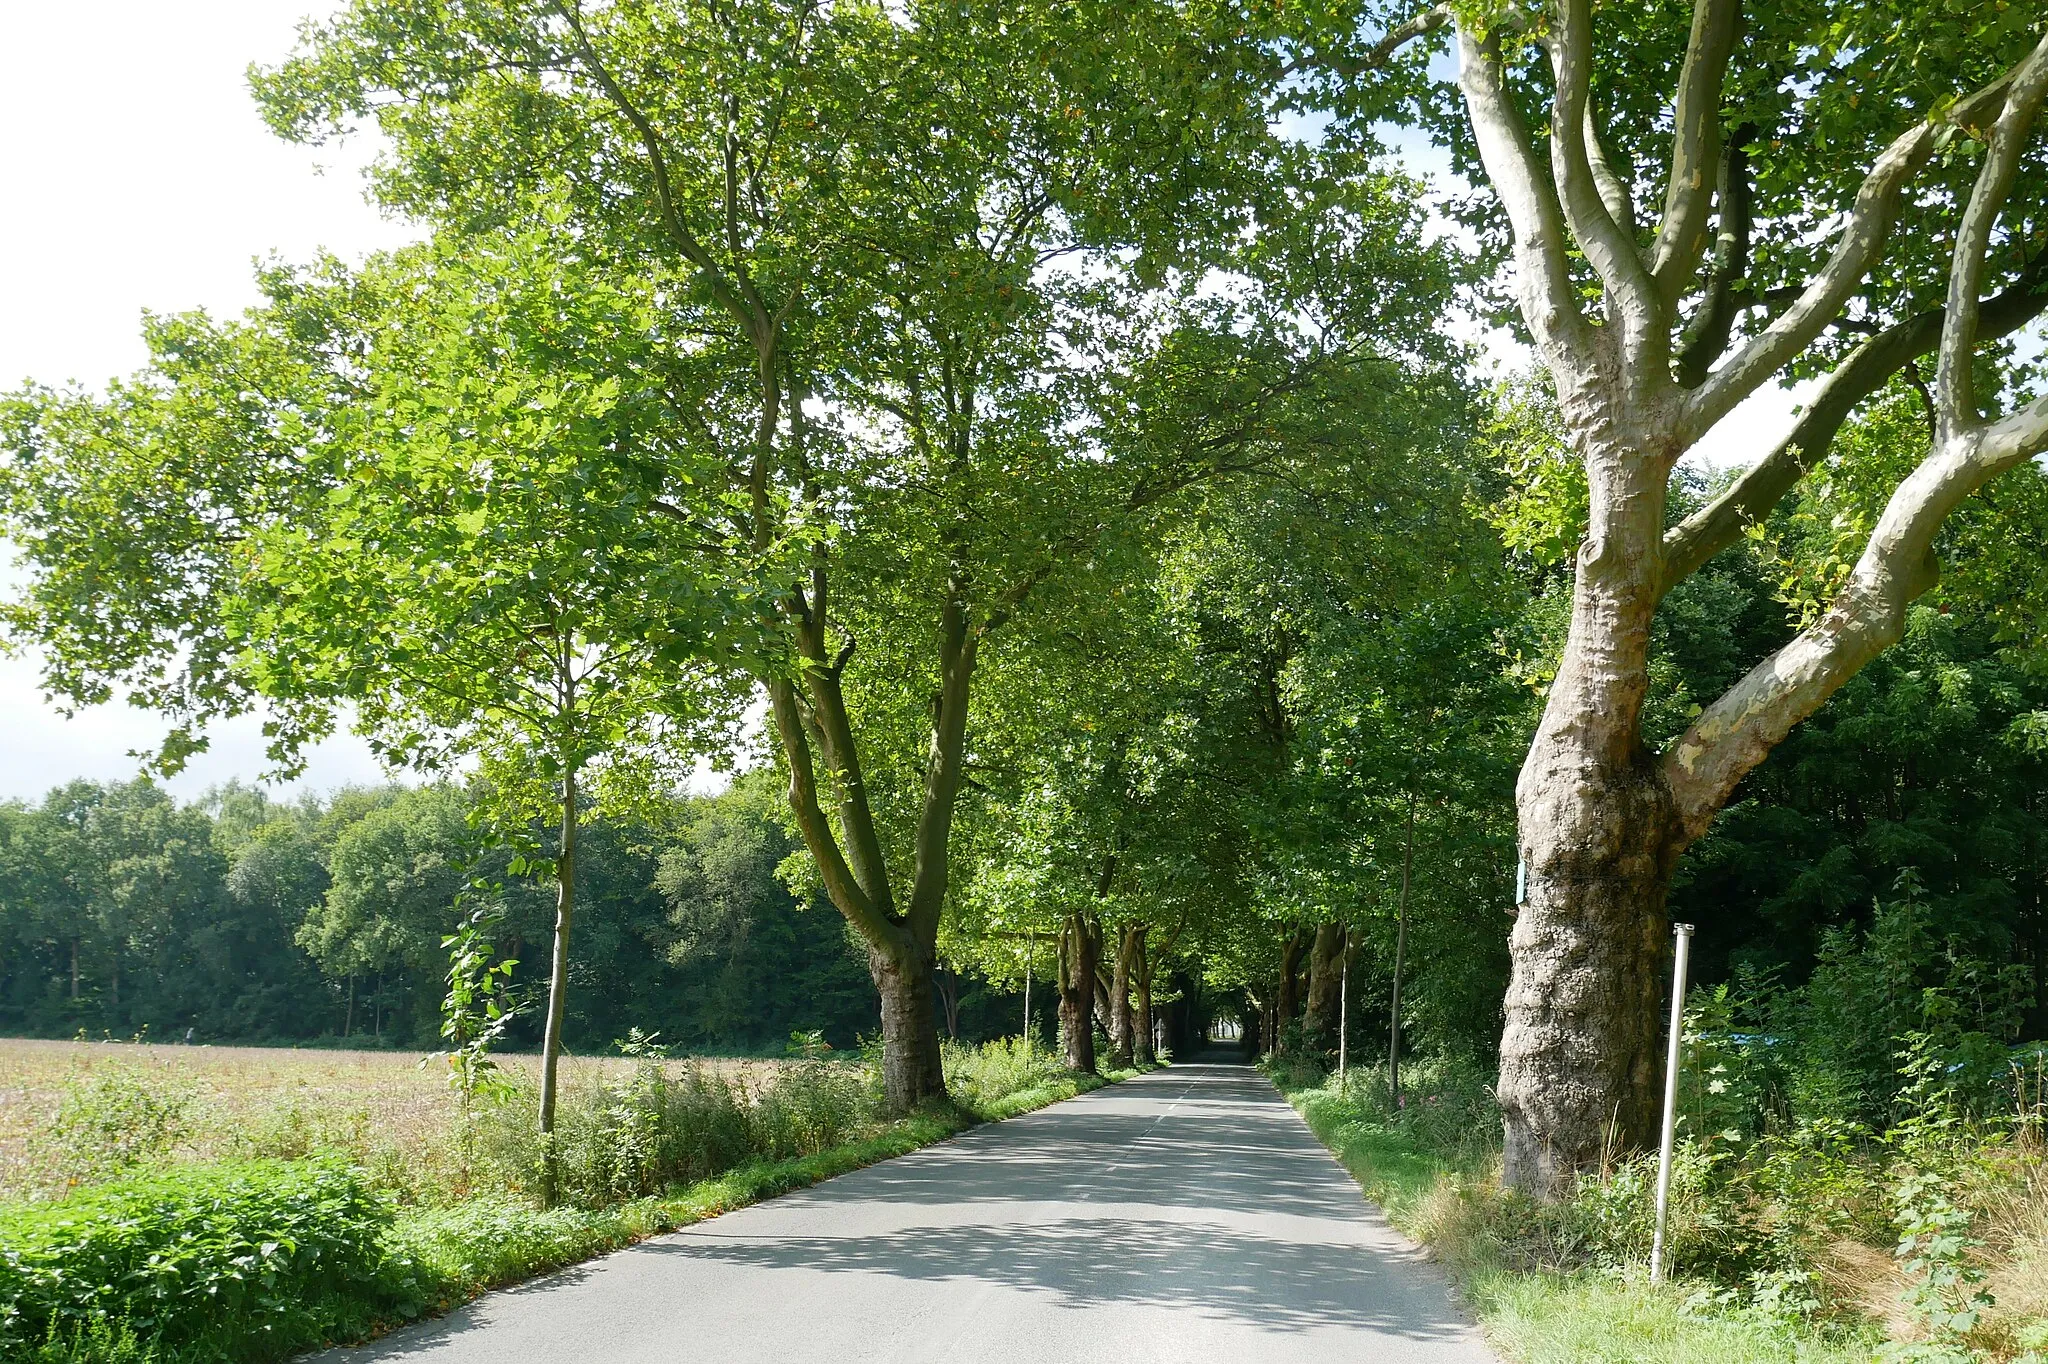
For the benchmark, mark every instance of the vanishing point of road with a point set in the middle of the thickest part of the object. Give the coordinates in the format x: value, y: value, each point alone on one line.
x: 1185, y: 1217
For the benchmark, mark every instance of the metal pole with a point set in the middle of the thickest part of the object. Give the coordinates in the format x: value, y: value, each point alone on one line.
x: 1344, y: 1008
x: 1682, y: 949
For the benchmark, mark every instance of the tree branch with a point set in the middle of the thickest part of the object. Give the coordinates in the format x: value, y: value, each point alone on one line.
x: 741, y: 301
x: 1614, y: 187
x: 1707, y: 335
x: 1612, y: 253
x: 1856, y: 250
x: 840, y: 885
x: 1955, y: 400
x: 1695, y: 148
x: 1543, y: 274
x: 1377, y: 56
x: 1719, y: 524
x: 1898, y: 564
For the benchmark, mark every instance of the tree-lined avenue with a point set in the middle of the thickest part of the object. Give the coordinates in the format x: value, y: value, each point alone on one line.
x: 1187, y: 1215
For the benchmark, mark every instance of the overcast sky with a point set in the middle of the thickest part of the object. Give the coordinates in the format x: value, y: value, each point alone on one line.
x: 140, y: 177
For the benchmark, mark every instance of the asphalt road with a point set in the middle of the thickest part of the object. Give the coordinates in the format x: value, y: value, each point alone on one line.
x: 1187, y: 1217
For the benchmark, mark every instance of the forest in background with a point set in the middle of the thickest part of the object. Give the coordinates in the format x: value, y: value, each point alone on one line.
x: 242, y: 919
x: 1924, y: 783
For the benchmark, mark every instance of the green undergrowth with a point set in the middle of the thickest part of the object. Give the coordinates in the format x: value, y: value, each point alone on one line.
x: 1431, y: 1166
x: 460, y: 1251
x: 252, y: 1261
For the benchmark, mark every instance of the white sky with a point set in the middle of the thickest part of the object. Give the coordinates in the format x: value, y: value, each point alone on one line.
x: 140, y: 177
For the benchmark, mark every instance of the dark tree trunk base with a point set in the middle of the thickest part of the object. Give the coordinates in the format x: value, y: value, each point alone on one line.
x: 1580, y: 1061
x: 912, y: 1072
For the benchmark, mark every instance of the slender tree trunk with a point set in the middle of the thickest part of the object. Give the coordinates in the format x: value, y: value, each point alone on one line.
x: 1325, y: 970
x: 348, y: 1019
x: 1079, y: 952
x: 377, y: 1009
x: 1123, y: 1042
x: 1287, y: 1001
x: 1145, y: 1051
x: 74, y: 968
x: 1030, y: 953
x: 116, y: 978
x: 1400, y: 959
x: 558, y: 991
x: 912, y: 1068
x: 947, y: 985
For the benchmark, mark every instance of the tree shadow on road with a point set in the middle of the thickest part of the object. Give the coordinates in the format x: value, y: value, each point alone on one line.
x: 1081, y: 1263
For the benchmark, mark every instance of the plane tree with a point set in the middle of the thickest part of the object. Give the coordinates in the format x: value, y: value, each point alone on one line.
x: 1696, y: 203
x: 431, y: 490
x: 896, y: 243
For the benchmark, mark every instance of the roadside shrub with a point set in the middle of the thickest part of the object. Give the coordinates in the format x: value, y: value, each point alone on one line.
x: 808, y: 1107
x: 624, y: 1135
x: 1447, y: 1105
x: 979, y: 1077
x: 641, y: 1129
x: 239, y: 1261
x: 111, y: 1119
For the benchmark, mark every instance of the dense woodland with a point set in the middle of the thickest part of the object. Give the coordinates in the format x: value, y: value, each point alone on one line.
x: 236, y: 919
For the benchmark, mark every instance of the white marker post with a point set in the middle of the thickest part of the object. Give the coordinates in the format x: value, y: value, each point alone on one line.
x: 1682, y: 947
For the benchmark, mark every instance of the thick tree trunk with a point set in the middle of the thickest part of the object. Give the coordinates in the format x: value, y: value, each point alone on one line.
x: 1080, y: 951
x: 558, y: 991
x: 911, y: 1069
x: 1579, y: 1056
x: 1599, y: 831
x: 1325, y: 970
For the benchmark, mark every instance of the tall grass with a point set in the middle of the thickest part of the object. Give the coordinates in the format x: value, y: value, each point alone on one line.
x: 1821, y: 1241
x: 412, y: 1225
x: 640, y: 1127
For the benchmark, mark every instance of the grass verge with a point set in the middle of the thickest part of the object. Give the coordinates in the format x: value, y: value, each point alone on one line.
x: 462, y: 1251
x: 1537, y: 1316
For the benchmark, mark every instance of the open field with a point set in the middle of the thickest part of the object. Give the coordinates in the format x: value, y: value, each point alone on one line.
x: 143, y: 1182
x: 389, y: 1111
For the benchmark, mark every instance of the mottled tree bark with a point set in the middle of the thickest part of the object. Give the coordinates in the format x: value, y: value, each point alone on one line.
x: 911, y: 1070
x: 1123, y: 1028
x: 1579, y: 1056
x: 1325, y: 970
x: 1080, y: 956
